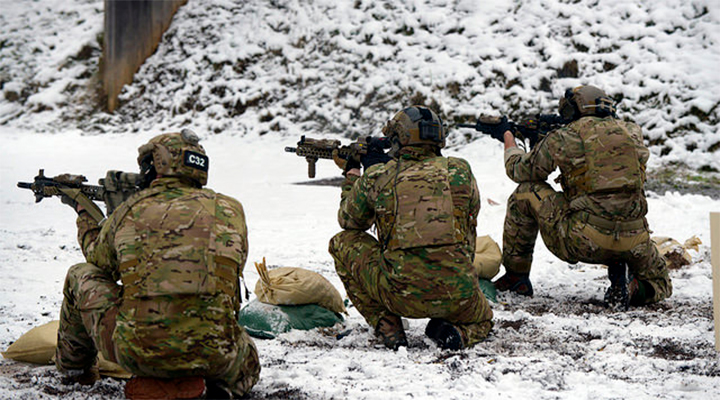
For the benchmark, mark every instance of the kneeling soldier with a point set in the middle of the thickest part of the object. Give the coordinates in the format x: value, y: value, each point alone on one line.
x: 599, y: 217
x: 424, y: 207
x: 178, y: 251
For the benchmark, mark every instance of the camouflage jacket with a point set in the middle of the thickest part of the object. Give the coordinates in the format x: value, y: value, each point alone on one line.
x: 604, y: 180
x: 179, y: 252
x: 425, y: 209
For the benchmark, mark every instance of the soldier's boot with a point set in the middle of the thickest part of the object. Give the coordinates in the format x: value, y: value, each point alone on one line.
x: 622, y: 287
x: 445, y: 334
x: 146, y: 388
x: 515, y: 282
x: 217, y: 390
x: 85, y: 377
x: 390, y: 330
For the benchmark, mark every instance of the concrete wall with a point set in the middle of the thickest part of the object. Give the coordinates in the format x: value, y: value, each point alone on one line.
x: 133, y: 29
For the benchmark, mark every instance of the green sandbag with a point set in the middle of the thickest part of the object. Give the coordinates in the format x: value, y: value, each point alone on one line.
x: 266, y: 321
x: 488, y: 289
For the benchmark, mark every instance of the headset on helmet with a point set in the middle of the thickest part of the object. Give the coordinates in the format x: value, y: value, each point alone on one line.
x: 416, y: 125
x: 175, y: 154
x: 583, y: 101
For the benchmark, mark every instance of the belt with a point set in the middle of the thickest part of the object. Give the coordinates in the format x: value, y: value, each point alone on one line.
x: 615, y: 226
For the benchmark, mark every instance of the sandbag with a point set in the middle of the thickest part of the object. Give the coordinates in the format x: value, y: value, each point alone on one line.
x: 296, y: 286
x: 488, y: 289
x: 37, y: 346
x: 266, y: 321
x: 488, y: 257
x: 676, y: 254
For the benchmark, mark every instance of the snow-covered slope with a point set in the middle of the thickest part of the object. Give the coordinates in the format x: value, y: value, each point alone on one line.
x: 344, y: 66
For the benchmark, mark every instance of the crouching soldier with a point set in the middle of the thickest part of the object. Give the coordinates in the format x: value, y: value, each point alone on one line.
x: 424, y: 207
x: 178, y: 251
x: 599, y: 217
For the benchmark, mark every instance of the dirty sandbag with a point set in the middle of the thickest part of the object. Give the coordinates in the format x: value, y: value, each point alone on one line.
x: 296, y: 286
x: 488, y: 257
x: 37, y: 346
x: 676, y: 254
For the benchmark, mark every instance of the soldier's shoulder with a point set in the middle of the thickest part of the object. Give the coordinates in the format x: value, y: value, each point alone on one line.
x: 379, y: 170
x: 457, y: 162
x: 227, y: 200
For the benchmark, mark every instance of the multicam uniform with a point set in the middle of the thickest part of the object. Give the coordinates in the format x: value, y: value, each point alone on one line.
x: 178, y: 251
x: 425, y: 210
x: 599, y: 216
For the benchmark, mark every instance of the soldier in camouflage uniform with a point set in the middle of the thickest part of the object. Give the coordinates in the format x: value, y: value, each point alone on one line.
x: 179, y: 251
x: 599, y: 217
x: 424, y: 207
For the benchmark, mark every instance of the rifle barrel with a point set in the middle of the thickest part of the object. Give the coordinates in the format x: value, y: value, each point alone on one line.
x: 465, y: 125
x: 24, y: 185
x: 291, y: 149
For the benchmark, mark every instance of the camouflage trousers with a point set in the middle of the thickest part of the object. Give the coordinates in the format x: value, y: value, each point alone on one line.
x: 535, y: 206
x: 88, y: 320
x: 359, y: 263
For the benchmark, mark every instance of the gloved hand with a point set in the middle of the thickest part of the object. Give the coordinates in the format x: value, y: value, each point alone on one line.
x: 497, y: 131
x: 375, y: 154
x: 65, y: 199
x: 345, y: 164
x: 67, y: 196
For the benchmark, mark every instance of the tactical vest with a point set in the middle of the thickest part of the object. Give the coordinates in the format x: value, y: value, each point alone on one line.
x: 174, y: 245
x: 611, y: 163
x: 424, y: 214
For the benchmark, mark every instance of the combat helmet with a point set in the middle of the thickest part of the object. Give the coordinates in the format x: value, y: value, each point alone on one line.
x: 583, y: 101
x: 176, y: 154
x: 416, y: 125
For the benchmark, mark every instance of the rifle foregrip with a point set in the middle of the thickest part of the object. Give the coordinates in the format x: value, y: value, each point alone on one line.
x: 311, y: 166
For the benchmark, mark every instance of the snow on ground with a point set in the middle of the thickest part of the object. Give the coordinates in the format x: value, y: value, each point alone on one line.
x: 252, y: 76
x: 561, y: 344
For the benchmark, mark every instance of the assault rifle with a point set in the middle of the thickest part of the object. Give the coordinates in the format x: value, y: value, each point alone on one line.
x: 531, y: 128
x: 115, y: 188
x: 315, y: 149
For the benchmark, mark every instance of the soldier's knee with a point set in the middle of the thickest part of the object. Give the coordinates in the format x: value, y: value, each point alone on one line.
x: 336, y: 243
x: 349, y: 238
x: 78, y: 272
x: 82, y: 269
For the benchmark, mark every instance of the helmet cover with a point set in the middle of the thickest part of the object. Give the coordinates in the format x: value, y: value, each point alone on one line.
x: 177, y: 154
x: 586, y: 100
x: 416, y: 125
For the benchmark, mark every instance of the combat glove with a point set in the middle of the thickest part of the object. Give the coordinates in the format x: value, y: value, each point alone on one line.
x: 346, y: 164
x: 65, y: 199
x: 375, y: 153
x: 497, y: 131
